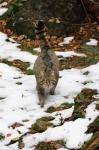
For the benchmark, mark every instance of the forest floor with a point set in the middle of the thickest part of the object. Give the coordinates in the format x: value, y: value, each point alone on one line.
x: 70, y: 118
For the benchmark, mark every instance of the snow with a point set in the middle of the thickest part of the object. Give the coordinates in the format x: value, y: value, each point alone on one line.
x: 20, y: 102
x: 93, y: 76
x: 37, y: 49
x: 69, y: 54
x: 73, y: 132
x: 62, y: 149
x: 10, y: 51
x: 3, y: 4
x: 2, y: 9
x: 61, y: 114
x: 67, y: 40
x: 92, y: 42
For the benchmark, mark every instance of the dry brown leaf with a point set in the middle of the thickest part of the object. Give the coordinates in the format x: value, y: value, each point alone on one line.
x: 21, y: 145
x: 16, y: 124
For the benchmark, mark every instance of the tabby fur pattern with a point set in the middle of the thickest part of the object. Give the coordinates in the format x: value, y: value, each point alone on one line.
x: 46, y: 67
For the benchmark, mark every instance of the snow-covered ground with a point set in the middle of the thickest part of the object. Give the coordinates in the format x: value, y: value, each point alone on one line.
x: 19, y: 102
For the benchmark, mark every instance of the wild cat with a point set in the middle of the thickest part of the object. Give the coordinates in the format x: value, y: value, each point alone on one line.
x: 46, y: 67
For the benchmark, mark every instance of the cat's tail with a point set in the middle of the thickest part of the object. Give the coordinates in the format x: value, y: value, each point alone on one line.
x: 40, y: 30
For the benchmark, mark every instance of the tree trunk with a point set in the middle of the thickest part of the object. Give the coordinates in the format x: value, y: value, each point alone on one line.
x: 92, y: 7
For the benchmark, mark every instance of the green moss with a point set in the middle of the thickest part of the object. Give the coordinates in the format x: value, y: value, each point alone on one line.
x: 29, y: 72
x: 33, y: 51
x: 77, y: 62
x: 86, y: 95
x: 1, y: 98
x: 97, y: 106
x: 86, y: 73
x: 78, y: 113
x: 1, y: 136
x: 12, y: 8
x: 42, y: 124
x: 66, y: 105
x: 51, y: 109
x: 23, y: 66
x: 82, y: 100
x: 51, y: 145
x: 43, y: 146
x: 49, y: 118
x: 61, y: 107
x: 90, y: 50
x: 19, y: 83
x: 94, y: 126
x: 6, y: 62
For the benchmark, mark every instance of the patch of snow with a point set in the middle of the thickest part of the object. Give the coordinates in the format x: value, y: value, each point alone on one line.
x: 9, y: 72
x: 93, y: 76
x: 67, y: 40
x: 71, y: 82
x: 92, y: 42
x: 37, y: 49
x: 3, y: 4
x: 61, y: 115
x: 92, y: 108
x: 2, y: 9
x: 62, y: 149
x: 3, y: 37
x: 69, y: 54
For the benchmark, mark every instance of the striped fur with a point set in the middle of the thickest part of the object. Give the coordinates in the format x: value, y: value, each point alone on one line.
x: 46, y: 67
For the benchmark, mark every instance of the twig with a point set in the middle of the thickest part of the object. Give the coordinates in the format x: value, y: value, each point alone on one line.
x: 17, y: 140
x: 97, y: 3
x: 85, y: 10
